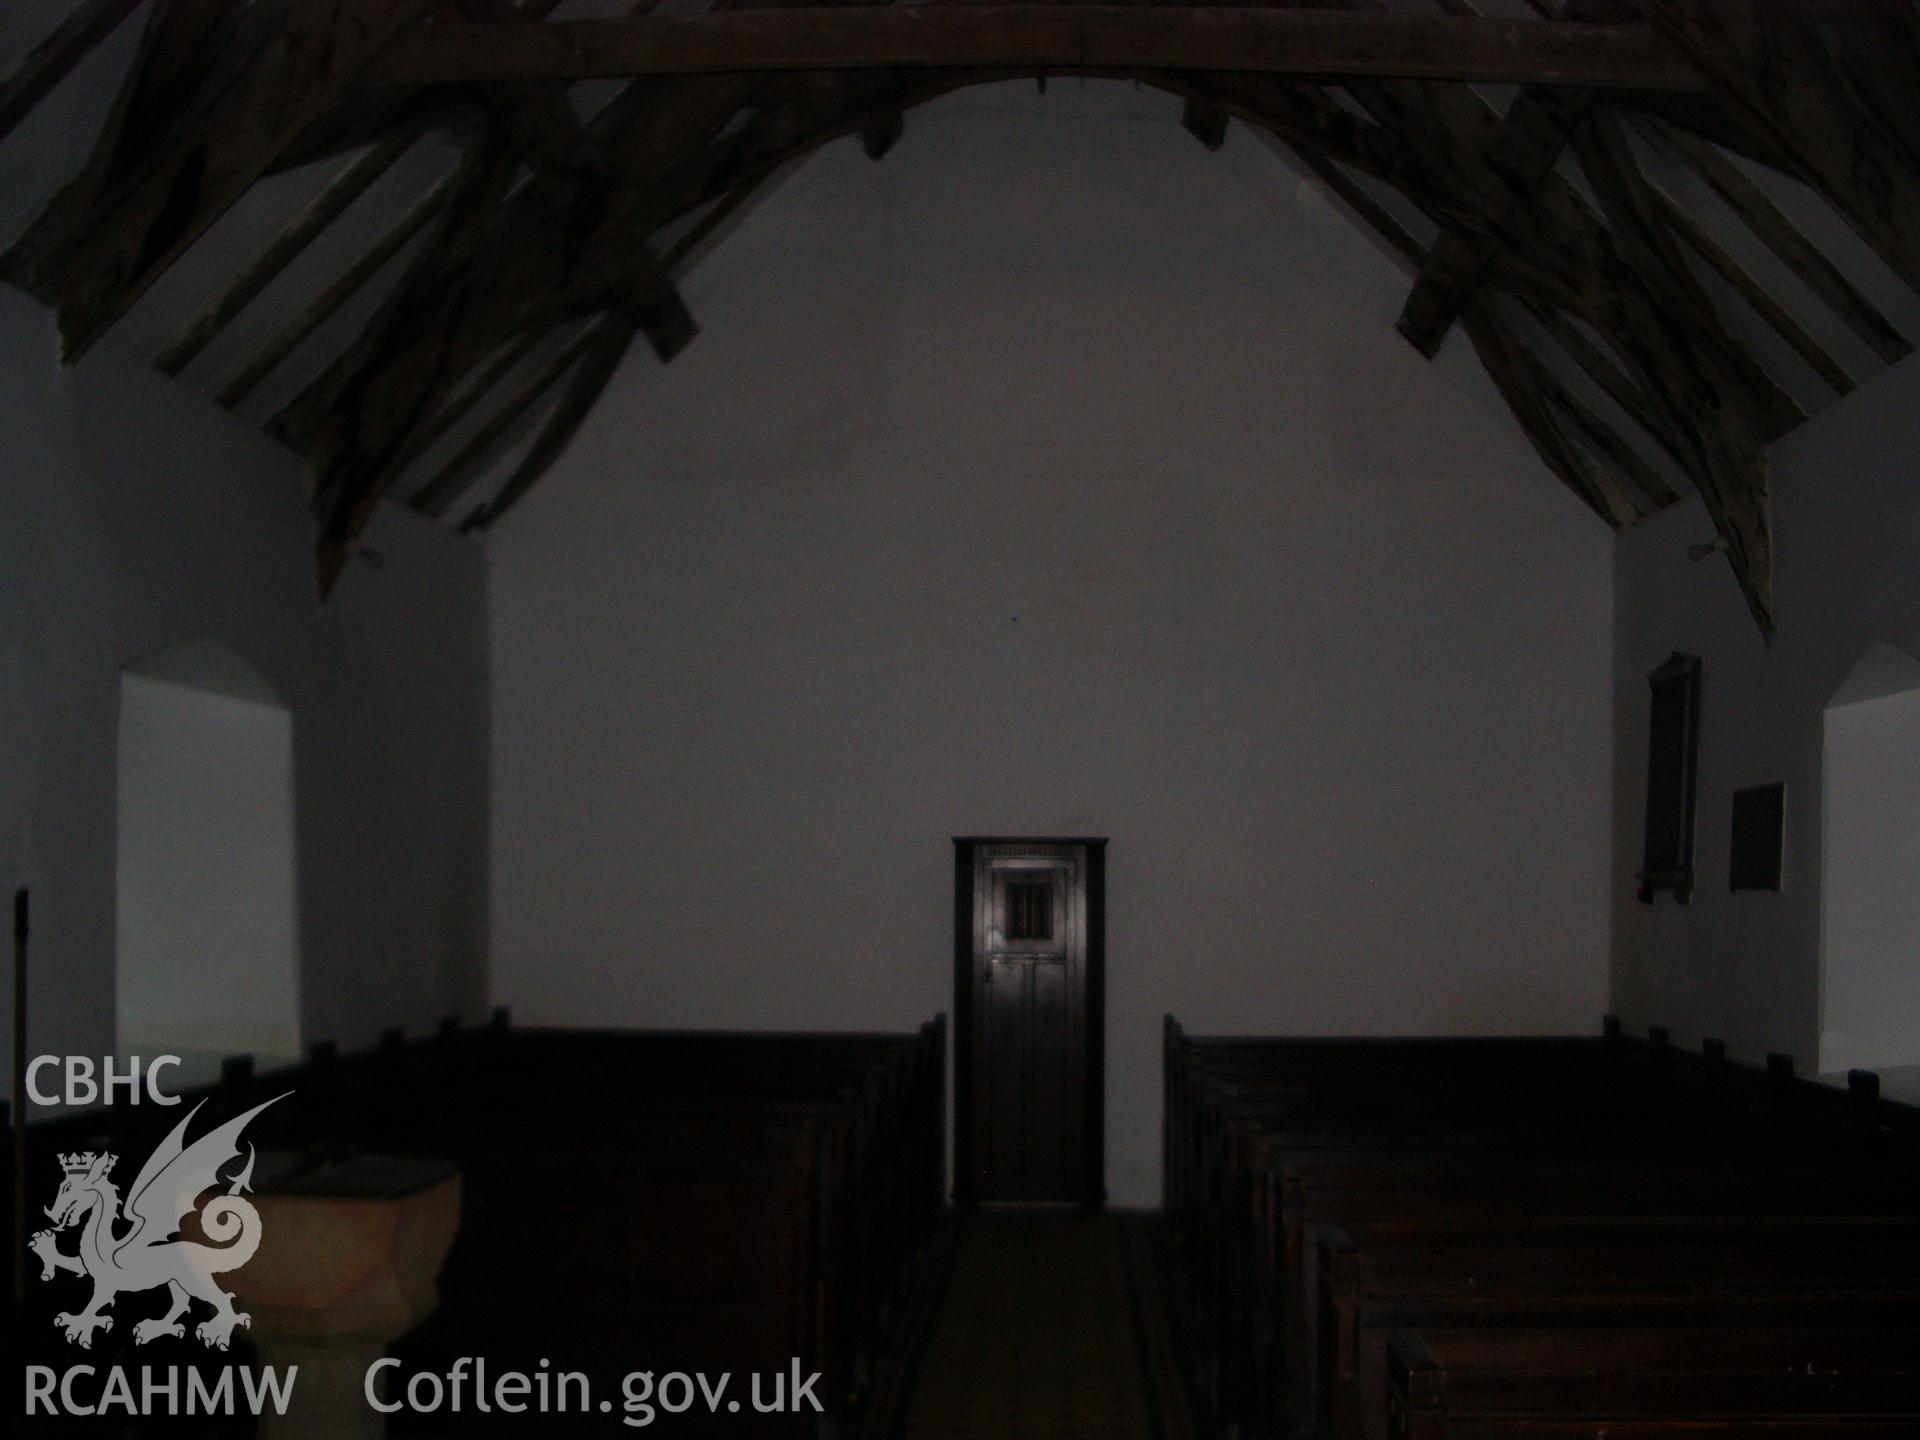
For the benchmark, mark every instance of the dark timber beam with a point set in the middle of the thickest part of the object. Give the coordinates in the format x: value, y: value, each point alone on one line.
x: 1726, y: 408
x: 716, y: 215
x: 608, y: 345
x: 344, y: 287
x: 1519, y: 377
x: 1753, y: 293
x: 1831, y: 86
x: 442, y: 490
x: 1172, y: 37
x: 462, y: 404
x: 1752, y: 204
x: 504, y: 261
x: 1600, y: 366
x: 879, y: 136
x: 50, y: 62
x: 1495, y: 339
x: 1354, y: 196
x: 289, y: 246
x: 160, y: 88
x: 1615, y: 268
x: 356, y: 433
x: 541, y: 122
x: 361, y: 117
x: 217, y: 94
x: 1529, y: 144
x: 1606, y: 442
x: 1524, y: 381
x: 1205, y: 123
x: 536, y: 118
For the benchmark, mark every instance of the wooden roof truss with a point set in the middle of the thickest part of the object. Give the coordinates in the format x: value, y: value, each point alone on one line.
x: 1617, y: 322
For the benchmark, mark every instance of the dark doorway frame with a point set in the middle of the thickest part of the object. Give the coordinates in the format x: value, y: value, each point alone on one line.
x: 1094, y: 1182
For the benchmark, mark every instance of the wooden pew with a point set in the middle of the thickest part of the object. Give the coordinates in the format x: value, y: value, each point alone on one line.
x: 1261, y: 1303
x: 1270, y: 1141
x: 821, y: 1142
x: 1376, y: 1280
x: 1446, y: 1385
x: 1308, y: 1198
x: 1632, y: 1427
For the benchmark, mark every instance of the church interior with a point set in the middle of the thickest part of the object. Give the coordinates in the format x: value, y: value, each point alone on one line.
x: 956, y: 718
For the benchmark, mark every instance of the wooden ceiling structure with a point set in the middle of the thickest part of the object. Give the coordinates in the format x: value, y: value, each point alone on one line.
x: 537, y: 263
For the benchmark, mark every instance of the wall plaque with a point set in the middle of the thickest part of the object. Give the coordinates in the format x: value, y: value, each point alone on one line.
x: 1759, y: 828
x: 1673, y: 743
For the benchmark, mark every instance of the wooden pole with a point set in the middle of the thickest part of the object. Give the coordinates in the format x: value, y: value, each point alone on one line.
x: 20, y: 927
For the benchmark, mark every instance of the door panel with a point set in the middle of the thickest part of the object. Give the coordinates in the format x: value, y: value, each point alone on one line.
x: 1053, y: 1137
x: 1002, y: 1141
x: 1029, y: 982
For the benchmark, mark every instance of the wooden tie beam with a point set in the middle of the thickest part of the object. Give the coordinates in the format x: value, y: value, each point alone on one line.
x: 1317, y: 43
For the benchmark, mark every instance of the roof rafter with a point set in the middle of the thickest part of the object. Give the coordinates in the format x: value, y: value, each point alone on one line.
x: 54, y: 58
x: 1525, y: 383
x: 1751, y: 291
x: 1521, y: 378
x: 554, y: 223
x: 1600, y: 366
x: 1831, y: 87
x: 1706, y: 393
x: 441, y: 490
x: 606, y: 346
x: 1717, y: 397
x: 462, y: 404
x: 1606, y: 441
x: 1752, y: 204
x: 559, y: 247
x: 216, y: 95
x: 1618, y: 269
x: 288, y: 246
x: 297, y: 331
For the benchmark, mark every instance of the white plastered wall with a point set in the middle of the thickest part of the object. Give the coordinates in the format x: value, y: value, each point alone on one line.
x: 1053, y: 476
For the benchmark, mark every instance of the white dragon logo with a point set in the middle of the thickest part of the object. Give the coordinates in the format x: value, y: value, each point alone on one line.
x: 151, y: 1252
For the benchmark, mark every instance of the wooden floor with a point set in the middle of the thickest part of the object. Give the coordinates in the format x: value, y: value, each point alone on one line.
x: 1050, y: 1329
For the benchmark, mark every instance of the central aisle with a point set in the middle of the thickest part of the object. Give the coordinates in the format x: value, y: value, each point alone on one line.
x: 1040, y: 1335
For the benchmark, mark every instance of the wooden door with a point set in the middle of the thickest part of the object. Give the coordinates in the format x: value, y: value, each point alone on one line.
x: 1030, y: 1125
